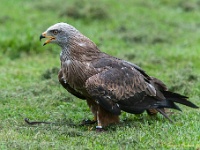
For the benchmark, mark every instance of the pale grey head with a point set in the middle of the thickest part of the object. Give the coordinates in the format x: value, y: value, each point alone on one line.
x: 59, y: 33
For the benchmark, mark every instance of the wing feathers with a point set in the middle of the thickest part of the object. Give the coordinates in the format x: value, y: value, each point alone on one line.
x: 124, y: 86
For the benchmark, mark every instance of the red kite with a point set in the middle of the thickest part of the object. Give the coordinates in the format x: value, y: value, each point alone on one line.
x: 108, y: 84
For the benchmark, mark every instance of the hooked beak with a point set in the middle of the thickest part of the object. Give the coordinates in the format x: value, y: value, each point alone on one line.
x: 50, y: 38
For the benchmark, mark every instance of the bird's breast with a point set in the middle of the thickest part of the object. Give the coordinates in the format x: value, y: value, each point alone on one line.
x: 76, y: 73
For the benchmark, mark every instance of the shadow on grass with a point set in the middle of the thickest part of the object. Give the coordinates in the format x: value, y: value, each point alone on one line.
x: 65, y: 126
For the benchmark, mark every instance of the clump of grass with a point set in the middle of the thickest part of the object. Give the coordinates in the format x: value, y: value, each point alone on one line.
x: 140, y: 38
x: 49, y: 73
x: 21, y: 41
x: 182, y: 81
x: 130, y: 56
x: 159, y: 39
x: 130, y: 37
x: 188, y: 6
x: 134, y: 38
x: 144, y: 38
x: 15, y: 46
x: 4, y: 19
x: 85, y: 10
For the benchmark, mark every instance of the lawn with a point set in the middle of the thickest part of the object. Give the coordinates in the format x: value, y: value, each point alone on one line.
x: 162, y: 37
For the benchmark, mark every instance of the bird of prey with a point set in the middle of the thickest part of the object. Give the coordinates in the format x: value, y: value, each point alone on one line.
x: 108, y: 84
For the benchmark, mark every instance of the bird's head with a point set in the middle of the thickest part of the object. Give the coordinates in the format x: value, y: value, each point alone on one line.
x: 58, y: 33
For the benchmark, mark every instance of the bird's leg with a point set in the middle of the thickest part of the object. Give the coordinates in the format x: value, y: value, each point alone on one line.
x: 93, y: 107
x: 101, y: 116
x: 105, y: 118
x: 152, y: 112
x: 99, y: 127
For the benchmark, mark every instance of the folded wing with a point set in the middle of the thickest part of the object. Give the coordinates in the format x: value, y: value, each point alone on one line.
x: 121, y: 86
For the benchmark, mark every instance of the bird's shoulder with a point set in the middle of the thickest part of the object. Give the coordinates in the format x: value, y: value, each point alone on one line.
x: 112, y: 64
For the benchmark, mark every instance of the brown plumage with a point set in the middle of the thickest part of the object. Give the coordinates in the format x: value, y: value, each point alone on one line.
x: 108, y: 84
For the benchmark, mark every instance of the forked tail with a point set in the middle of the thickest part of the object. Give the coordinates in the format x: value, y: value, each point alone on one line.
x: 171, y: 99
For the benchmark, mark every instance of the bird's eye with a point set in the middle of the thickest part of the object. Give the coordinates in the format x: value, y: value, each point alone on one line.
x: 55, y: 32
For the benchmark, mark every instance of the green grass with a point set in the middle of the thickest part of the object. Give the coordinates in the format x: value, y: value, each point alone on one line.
x: 160, y: 36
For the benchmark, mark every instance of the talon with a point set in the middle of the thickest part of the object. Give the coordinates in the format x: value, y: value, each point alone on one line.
x: 90, y: 128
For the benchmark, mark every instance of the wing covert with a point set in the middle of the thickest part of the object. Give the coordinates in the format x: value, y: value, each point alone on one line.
x: 121, y: 88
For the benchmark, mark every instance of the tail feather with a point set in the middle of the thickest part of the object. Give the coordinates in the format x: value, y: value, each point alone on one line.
x: 166, y: 104
x: 169, y: 102
x: 173, y: 105
x: 175, y: 97
x: 164, y: 114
